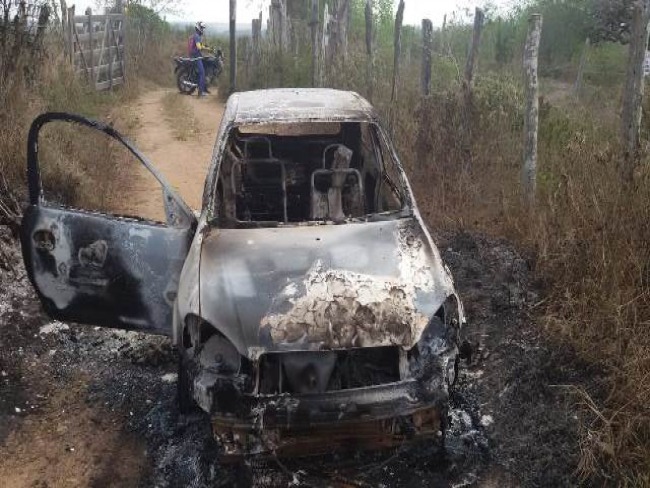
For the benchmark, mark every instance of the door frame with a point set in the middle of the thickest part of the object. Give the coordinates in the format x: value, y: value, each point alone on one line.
x: 177, y: 212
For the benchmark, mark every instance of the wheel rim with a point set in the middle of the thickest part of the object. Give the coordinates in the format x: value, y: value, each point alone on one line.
x: 184, y: 82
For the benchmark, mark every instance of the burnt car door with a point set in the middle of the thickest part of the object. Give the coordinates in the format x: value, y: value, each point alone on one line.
x: 97, y: 268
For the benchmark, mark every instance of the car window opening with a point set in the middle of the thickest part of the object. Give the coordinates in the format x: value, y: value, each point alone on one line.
x: 307, y: 173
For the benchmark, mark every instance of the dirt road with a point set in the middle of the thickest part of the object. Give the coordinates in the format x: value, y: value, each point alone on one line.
x: 90, y: 407
x: 49, y: 435
x: 182, y: 157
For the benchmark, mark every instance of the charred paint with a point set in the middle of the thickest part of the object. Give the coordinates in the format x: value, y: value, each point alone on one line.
x: 303, y: 295
x: 260, y: 286
x: 100, y: 269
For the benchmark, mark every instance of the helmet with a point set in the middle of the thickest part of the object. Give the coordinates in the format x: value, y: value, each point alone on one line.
x: 199, y: 27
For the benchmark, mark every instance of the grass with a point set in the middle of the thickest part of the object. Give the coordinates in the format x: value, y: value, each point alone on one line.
x: 588, y: 233
x: 51, y: 85
x: 59, y: 90
x: 180, y: 117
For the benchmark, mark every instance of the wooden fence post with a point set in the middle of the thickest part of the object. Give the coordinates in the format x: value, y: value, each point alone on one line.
x: 427, y: 48
x: 531, y: 121
x: 313, y: 25
x: 325, y: 46
x: 91, y: 43
x: 71, y: 27
x: 472, y: 56
x: 343, y: 21
x: 443, y: 30
x: 284, y: 33
x: 370, y: 68
x: 123, y: 33
x: 577, y: 87
x: 399, y: 19
x: 64, y: 28
x: 108, y: 26
x: 468, y: 99
x: 233, y: 46
x: 634, y: 86
x: 256, y: 34
x: 277, y: 24
x: 332, y: 29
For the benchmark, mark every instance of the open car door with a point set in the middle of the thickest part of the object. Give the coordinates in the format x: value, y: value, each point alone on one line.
x: 100, y: 269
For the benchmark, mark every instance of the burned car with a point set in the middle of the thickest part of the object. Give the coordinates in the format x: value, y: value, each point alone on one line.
x: 309, y: 305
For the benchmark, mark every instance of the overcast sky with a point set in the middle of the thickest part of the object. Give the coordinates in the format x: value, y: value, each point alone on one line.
x: 217, y: 10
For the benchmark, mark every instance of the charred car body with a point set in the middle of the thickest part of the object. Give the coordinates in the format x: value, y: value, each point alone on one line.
x: 308, y: 302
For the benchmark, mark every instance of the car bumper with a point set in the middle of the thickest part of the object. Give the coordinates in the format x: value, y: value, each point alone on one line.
x: 367, y: 418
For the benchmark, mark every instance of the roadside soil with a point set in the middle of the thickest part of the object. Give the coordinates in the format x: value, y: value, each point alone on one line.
x: 50, y: 435
x: 183, y: 160
x: 84, y: 406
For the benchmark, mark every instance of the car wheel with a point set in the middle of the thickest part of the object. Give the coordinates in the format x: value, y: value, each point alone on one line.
x: 186, y: 403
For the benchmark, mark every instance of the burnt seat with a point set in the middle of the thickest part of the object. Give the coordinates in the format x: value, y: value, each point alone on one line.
x: 337, y: 190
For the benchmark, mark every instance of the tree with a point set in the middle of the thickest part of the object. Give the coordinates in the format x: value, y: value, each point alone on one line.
x: 383, y: 16
x: 159, y: 7
x: 611, y: 20
x: 505, y: 40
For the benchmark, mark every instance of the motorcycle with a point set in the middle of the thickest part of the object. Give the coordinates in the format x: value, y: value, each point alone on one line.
x: 187, y: 75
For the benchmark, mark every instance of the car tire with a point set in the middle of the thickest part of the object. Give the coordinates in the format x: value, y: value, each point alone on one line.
x: 186, y: 403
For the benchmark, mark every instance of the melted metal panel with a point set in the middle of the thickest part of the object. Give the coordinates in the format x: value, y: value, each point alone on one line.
x: 104, y: 271
x: 98, y: 269
x: 299, y: 104
x: 321, y: 287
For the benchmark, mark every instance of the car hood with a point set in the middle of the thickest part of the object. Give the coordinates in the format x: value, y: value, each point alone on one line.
x: 321, y: 287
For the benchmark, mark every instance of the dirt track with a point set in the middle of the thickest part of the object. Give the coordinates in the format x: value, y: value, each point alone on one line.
x: 183, y: 163
x: 82, y: 406
x: 50, y: 436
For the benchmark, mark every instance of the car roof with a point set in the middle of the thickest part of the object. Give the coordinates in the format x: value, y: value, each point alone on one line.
x: 298, y: 105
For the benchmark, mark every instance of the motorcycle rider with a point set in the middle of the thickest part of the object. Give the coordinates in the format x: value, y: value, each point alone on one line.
x: 195, y: 47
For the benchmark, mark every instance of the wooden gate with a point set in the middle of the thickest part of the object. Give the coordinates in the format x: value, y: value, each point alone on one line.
x: 96, y: 47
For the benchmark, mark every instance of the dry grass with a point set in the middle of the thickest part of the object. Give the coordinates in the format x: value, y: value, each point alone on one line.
x: 52, y: 86
x: 589, y: 233
x: 180, y: 117
x: 68, y: 180
x: 590, y: 236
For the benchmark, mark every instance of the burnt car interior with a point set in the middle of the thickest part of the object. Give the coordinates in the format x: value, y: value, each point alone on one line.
x: 318, y: 372
x: 298, y: 372
x: 312, y: 172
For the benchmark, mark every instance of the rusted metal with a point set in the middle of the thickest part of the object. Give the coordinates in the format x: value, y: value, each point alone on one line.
x: 240, y: 440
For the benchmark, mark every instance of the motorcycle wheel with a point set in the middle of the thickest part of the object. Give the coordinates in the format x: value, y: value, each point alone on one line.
x: 184, y: 82
x: 213, y: 78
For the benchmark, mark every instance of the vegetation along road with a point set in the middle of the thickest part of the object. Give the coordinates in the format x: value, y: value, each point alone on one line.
x: 552, y: 268
x: 94, y: 407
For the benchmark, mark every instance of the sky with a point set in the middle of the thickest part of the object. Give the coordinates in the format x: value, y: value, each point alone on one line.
x: 217, y: 10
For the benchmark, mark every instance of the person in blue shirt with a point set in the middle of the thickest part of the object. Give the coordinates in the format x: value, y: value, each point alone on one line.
x: 194, y: 48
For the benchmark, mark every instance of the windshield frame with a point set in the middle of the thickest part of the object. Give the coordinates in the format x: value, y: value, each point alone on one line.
x: 379, y: 136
